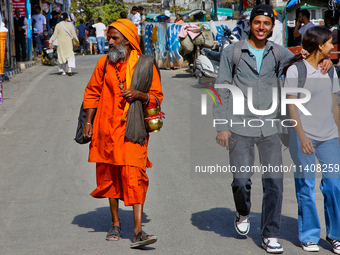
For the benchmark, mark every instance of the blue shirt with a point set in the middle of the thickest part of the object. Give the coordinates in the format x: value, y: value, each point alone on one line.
x: 258, y: 55
x: 81, y: 29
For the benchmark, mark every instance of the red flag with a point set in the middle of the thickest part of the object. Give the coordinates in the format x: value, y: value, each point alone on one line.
x: 245, y: 4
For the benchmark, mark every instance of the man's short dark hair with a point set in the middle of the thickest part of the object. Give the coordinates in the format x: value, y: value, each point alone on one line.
x: 306, y: 13
x: 99, y: 19
x: 37, y: 7
x: 140, y: 8
x: 122, y: 15
x: 134, y: 8
x: 81, y: 21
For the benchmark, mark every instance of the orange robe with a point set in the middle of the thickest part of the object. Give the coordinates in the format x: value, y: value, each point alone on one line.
x: 108, y: 143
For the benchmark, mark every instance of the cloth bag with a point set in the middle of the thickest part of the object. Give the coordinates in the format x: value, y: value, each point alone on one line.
x: 186, y: 44
x: 79, y: 138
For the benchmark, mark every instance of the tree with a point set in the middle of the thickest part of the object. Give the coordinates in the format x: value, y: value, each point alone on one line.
x: 108, y: 10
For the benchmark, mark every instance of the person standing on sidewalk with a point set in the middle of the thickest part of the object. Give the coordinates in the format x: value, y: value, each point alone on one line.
x: 121, y: 162
x: 304, y: 16
x: 100, y: 33
x: 81, y: 33
x: 20, y: 24
x: 39, y: 26
x: 258, y: 68
x: 316, y: 135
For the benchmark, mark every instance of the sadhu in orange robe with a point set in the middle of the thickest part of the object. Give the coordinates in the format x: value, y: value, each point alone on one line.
x: 121, y: 164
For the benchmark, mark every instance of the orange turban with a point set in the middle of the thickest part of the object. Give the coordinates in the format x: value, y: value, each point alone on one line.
x: 129, y: 31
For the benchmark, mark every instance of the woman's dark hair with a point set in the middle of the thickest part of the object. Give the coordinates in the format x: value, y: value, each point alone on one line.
x: 311, y: 40
x: 64, y: 16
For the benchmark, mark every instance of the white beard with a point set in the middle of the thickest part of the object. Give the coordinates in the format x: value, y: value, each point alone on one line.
x: 117, y: 53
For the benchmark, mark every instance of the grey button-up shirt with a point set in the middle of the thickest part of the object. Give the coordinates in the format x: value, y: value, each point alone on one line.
x: 262, y: 84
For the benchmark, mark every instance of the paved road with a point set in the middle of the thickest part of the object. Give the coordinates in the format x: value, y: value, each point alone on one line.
x: 45, y: 180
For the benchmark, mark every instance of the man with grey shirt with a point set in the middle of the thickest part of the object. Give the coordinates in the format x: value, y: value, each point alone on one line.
x: 258, y: 68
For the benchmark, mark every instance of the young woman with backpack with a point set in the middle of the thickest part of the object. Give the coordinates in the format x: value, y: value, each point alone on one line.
x: 315, y: 135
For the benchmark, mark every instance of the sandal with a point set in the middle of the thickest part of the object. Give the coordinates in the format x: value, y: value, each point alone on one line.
x: 114, y: 231
x: 141, y: 241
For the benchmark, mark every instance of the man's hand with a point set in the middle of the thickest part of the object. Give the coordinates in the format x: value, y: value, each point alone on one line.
x: 130, y: 94
x: 51, y: 46
x: 222, y: 138
x: 87, y: 131
x: 298, y: 23
x: 20, y: 28
x: 325, y: 65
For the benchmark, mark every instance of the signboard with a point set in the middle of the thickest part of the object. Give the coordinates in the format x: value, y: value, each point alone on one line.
x: 19, y: 4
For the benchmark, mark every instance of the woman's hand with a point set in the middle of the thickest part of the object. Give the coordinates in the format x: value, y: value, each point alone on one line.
x: 51, y: 46
x: 87, y: 131
x: 306, y: 145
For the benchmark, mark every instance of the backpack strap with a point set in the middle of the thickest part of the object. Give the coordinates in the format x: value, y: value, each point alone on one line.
x: 331, y: 73
x: 236, y: 56
x: 276, y: 53
x: 302, y: 74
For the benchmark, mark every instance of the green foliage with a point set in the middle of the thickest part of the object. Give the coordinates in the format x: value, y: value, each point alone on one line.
x: 177, y: 9
x: 106, y: 9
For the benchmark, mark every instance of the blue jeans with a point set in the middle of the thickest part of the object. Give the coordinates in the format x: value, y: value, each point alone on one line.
x: 37, y: 39
x: 101, y: 44
x: 243, y: 154
x: 328, y: 154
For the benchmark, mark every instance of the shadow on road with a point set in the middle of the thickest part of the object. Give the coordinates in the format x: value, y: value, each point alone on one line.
x: 59, y: 73
x: 100, y: 219
x: 221, y: 221
x: 182, y: 75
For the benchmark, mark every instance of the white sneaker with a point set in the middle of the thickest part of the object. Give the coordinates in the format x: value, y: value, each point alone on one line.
x: 242, y: 224
x: 63, y: 74
x: 271, y: 245
x: 310, y: 246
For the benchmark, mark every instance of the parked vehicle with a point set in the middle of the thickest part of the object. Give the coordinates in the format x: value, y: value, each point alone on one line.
x: 208, y: 62
x: 48, y: 56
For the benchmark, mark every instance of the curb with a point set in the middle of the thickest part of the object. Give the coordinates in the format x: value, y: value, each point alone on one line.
x: 25, y: 65
x: 10, y: 72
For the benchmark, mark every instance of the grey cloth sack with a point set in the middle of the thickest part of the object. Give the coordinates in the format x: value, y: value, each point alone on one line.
x: 141, y: 80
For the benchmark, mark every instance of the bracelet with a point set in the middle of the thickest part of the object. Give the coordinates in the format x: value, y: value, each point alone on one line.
x: 147, y: 101
x: 88, y: 123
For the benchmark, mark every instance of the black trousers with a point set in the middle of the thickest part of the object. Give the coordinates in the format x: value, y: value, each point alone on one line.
x: 20, y: 42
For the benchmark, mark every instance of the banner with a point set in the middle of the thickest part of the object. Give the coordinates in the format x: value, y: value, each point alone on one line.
x: 19, y: 4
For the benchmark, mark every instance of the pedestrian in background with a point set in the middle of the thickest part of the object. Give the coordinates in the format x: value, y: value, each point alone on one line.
x: 100, y: 34
x: 303, y: 18
x: 134, y: 10
x: 277, y: 31
x: 92, y: 39
x: 316, y: 135
x: 39, y: 26
x: 81, y: 33
x: 62, y: 33
x: 54, y: 20
x: 179, y: 18
x: 122, y: 15
x: 20, y: 24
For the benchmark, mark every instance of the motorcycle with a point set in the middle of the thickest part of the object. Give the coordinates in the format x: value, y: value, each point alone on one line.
x: 48, y: 56
x: 207, y: 64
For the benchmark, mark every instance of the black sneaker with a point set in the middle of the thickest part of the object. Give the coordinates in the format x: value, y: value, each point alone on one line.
x: 272, y: 245
x: 335, y: 244
x: 242, y: 224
